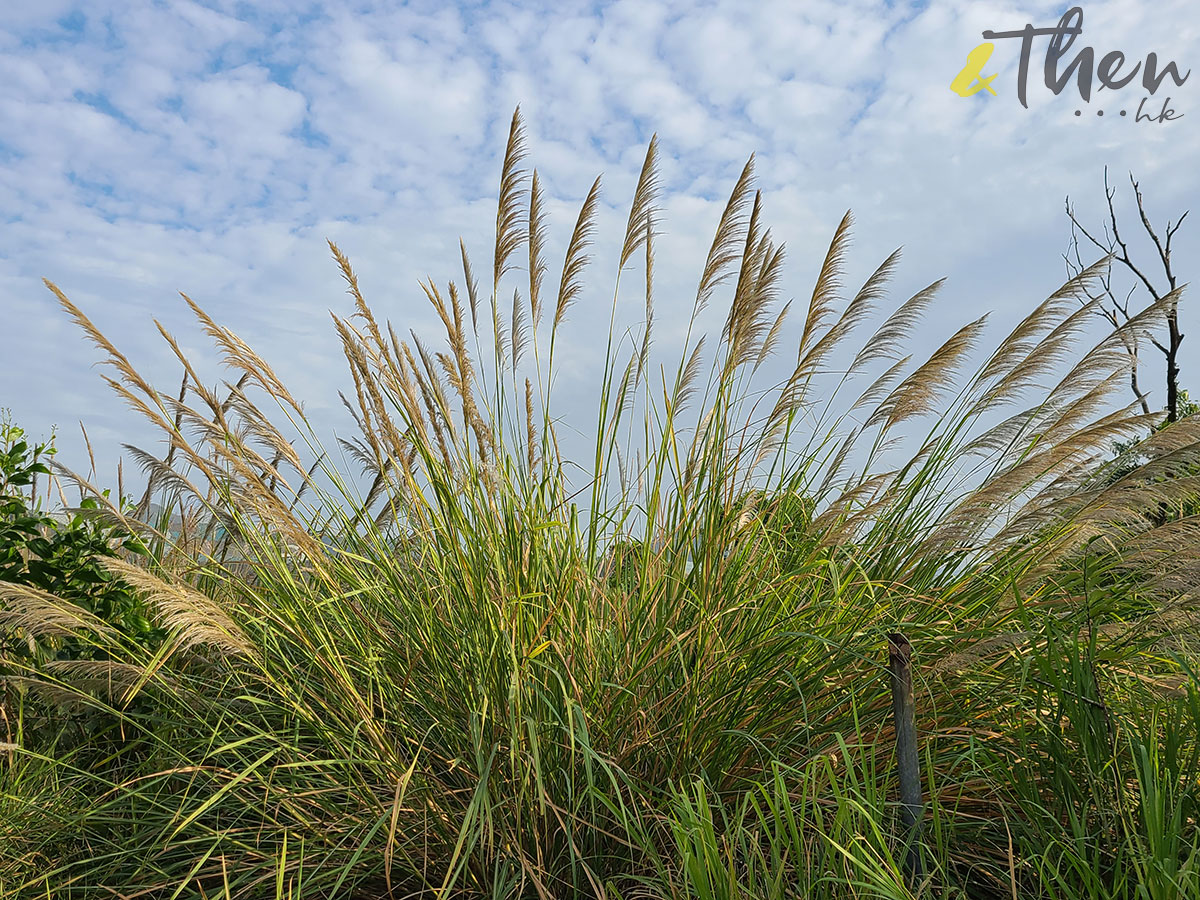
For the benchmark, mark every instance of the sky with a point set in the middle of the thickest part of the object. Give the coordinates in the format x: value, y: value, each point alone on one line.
x: 148, y: 148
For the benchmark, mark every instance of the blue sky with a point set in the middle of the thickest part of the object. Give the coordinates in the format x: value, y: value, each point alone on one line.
x: 211, y: 148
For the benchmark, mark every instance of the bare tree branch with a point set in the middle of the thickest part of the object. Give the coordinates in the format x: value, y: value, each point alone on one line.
x: 1116, y: 311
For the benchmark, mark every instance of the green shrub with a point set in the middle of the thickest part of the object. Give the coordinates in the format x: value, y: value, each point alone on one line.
x: 62, y: 556
x: 46, y: 561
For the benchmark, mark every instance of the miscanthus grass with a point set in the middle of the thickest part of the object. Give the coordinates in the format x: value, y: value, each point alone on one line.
x: 460, y: 668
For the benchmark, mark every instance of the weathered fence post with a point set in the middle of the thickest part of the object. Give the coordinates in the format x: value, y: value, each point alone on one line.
x: 912, y: 807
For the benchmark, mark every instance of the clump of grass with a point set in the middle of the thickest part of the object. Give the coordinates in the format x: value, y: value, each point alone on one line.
x: 460, y: 671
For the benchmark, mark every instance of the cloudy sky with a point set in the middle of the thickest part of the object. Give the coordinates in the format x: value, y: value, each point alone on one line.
x: 148, y: 148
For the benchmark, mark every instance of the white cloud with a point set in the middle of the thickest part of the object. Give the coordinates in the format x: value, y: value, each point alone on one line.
x: 151, y: 148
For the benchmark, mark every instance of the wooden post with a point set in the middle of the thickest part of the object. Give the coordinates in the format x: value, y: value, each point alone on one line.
x: 912, y: 807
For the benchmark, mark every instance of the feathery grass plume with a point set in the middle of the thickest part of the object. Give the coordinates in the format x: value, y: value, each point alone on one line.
x: 439, y: 404
x: 641, y: 211
x: 888, y: 341
x: 1136, y: 327
x: 115, y: 359
x: 509, y: 231
x: 358, y: 451
x: 1033, y: 474
x: 520, y: 329
x: 106, y: 510
x: 411, y: 397
x: 360, y: 307
x: 262, y: 429
x: 825, y: 292
x: 577, y: 256
x: 530, y: 430
x: 40, y: 614
x: 1167, y: 457
x: 429, y: 389
x: 1043, y: 357
x: 360, y: 371
x: 1096, y: 370
x: 915, y: 395
x: 228, y: 441
x: 240, y: 357
x: 861, y: 306
x: 163, y: 476
x: 67, y: 701
x: 537, y: 246
x: 195, y: 618
x: 771, y: 340
x: 811, y: 349
x: 115, y: 681
x: 686, y: 386
x: 143, y: 506
x: 727, y: 244
x: 1164, y: 441
x: 130, y: 383
x: 1000, y: 439
x: 459, y: 369
x: 882, y: 385
x: 625, y: 394
x: 1077, y: 413
x: 749, y: 320
x: 833, y: 471
x: 472, y: 286
x: 648, y: 327
x: 1022, y: 339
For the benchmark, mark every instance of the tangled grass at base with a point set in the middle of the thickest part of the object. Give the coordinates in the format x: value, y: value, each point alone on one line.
x: 461, y: 672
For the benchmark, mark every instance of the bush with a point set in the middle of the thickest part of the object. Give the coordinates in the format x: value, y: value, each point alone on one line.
x: 43, y: 559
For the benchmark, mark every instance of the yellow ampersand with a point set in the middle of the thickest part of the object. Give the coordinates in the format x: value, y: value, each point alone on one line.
x: 971, y: 79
